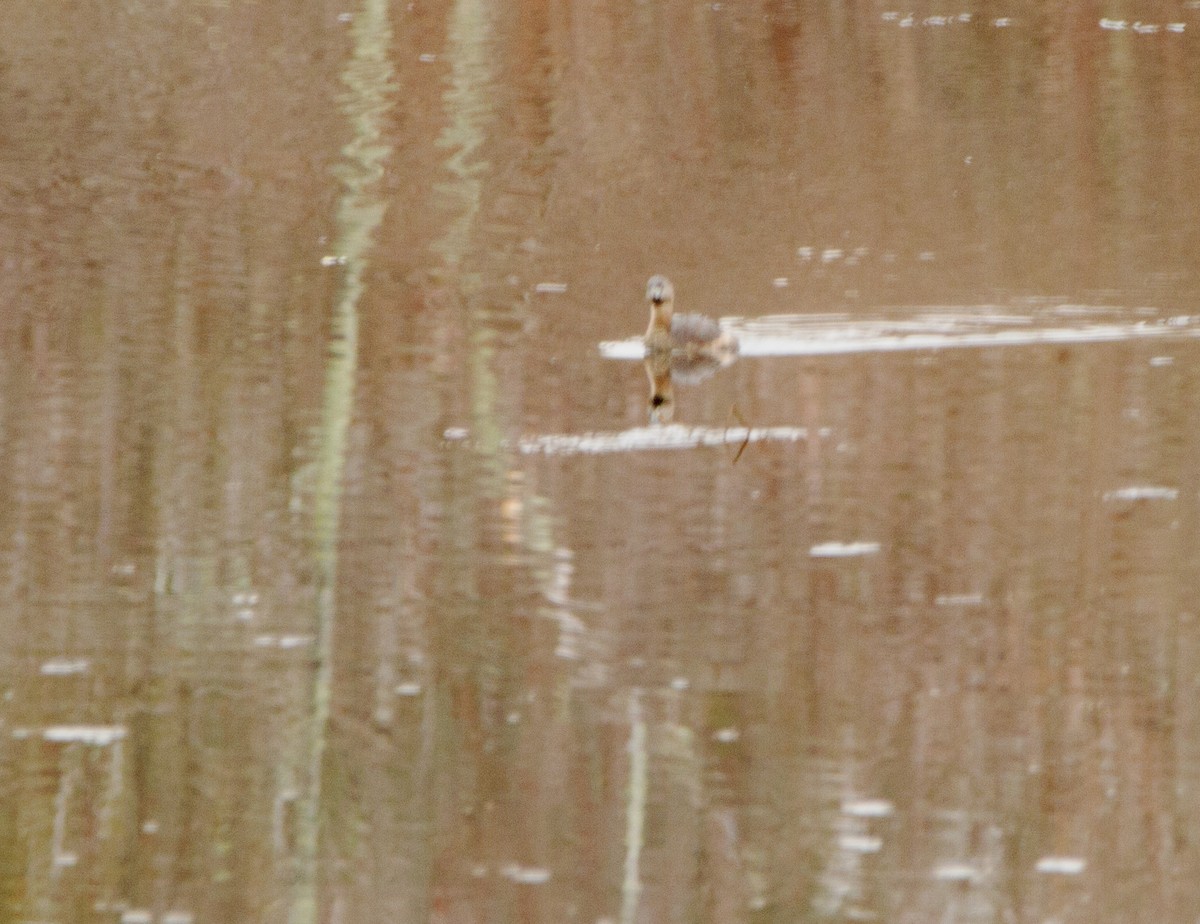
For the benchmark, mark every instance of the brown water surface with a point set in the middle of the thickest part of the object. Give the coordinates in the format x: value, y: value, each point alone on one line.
x: 342, y: 581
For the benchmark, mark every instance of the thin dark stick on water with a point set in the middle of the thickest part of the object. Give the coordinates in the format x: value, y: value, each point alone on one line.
x: 746, y: 442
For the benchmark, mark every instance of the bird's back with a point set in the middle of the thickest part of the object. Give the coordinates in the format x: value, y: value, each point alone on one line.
x: 694, y: 329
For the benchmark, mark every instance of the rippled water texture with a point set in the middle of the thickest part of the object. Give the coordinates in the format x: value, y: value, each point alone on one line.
x: 344, y: 579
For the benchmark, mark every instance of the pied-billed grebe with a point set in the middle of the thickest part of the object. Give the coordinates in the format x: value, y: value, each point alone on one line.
x: 684, y: 336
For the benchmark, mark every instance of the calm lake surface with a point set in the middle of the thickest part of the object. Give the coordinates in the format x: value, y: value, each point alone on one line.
x: 342, y: 579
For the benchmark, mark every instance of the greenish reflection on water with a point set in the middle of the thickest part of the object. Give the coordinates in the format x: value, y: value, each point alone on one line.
x: 369, y: 97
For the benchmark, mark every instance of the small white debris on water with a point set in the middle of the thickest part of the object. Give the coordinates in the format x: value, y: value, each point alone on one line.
x: 1162, y: 360
x: 727, y: 735
x: 1063, y: 866
x: 1142, y: 492
x: 136, y: 916
x: 454, y: 434
x: 680, y: 683
x: 284, y: 642
x: 958, y: 600
x: 333, y: 260
x: 804, y: 253
x: 955, y: 872
x: 550, y: 288
x: 525, y: 875
x: 780, y: 282
x: 908, y: 21
x: 410, y: 688
x: 868, y: 808
x: 1141, y: 28
x: 830, y: 254
x: 345, y: 17
x: 99, y: 735
x: 860, y: 843
x: 427, y: 58
x: 64, y: 667
x: 843, y: 549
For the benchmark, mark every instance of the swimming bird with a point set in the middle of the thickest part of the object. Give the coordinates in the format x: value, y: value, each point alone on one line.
x: 685, y: 347
x: 689, y: 339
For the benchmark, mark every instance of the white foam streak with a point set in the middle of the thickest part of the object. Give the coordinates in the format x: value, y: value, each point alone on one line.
x: 98, y: 735
x: 843, y: 549
x: 868, y: 808
x: 852, y: 339
x: 800, y: 335
x: 1062, y: 866
x: 676, y: 436
x: 1137, y: 492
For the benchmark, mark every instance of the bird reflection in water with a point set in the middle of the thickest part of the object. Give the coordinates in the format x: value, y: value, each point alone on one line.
x: 680, y: 347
